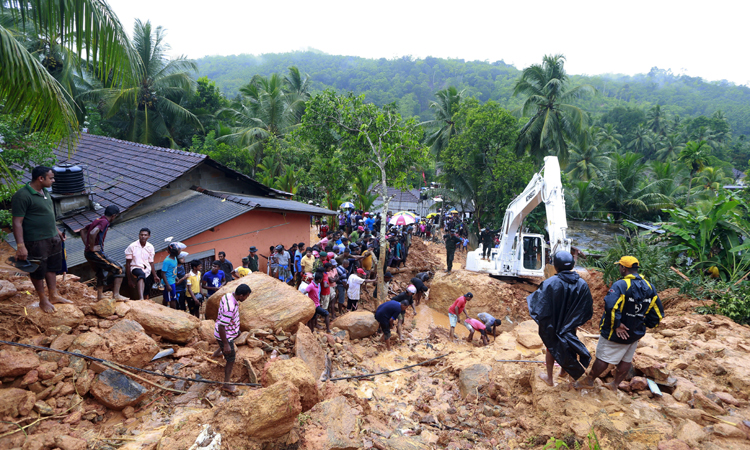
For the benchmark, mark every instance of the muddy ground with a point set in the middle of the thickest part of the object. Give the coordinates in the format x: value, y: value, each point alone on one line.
x: 470, y: 398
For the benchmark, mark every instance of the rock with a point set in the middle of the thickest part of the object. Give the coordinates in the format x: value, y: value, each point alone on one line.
x: 708, y: 405
x: 638, y: 384
x: 31, y: 377
x: 7, y: 290
x: 259, y: 414
x: 16, y: 402
x: 128, y: 412
x: 307, y: 348
x: 728, y: 431
x: 122, y: 308
x: 530, y: 339
x: 338, y: 421
x: 271, y: 305
x: 691, y: 433
x: 128, y: 345
x: 59, y: 330
x: 251, y: 354
x: 70, y: 443
x: 14, y: 364
x: 242, y: 338
x: 473, y: 377
x: 86, y: 343
x: 104, y: 307
x: 171, y: 324
x: 405, y: 443
x: 84, y: 381
x: 62, y: 342
x: 727, y: 398
x: 206, y: 330
x: 295, y: 371
x: 43, y: 408
x: 116, y: 391
x: 183, y: 352
x: 65, y: 314
x: 672, y: 444
x: 359, y: 324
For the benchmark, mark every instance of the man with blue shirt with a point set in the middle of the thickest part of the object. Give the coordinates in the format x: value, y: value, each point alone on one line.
x: 370, y: 222
x: 169, y: 272
x: 386, y: 314
x: 214, y: 279
x: 297, y: 264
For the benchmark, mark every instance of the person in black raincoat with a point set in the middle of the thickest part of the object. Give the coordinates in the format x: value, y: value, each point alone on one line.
x: 560, y: 305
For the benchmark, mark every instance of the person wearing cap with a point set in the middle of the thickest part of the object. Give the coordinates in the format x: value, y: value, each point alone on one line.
x: 242, y: 271
x: 630, y: 306
x: 489, y: 322
x: 93, y: 236
x: 451, y: 241
x: 355, y: 281
x: 562, y: 304
x: 252, y: 259
x: 323, y: 229
x: 388, y: 313
x: 455, y: 310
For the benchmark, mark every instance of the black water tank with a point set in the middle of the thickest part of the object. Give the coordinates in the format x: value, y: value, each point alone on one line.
x: 68, y: 179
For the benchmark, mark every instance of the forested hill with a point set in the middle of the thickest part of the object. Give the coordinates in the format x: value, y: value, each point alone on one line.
x: 412, y: 83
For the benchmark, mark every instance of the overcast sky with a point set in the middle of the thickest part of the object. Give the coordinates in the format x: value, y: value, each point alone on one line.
x: 705, y: 39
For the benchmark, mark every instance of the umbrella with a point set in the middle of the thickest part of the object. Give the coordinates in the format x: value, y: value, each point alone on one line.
x: 454, y: 212
x: 346, y: 205
x: 403, y: 218
x: 431, y: 215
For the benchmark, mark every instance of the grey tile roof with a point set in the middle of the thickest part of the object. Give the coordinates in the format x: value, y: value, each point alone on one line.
x: 269, y: 203
x: 179, y: 221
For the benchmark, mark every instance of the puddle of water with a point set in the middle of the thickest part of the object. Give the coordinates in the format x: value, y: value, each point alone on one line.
x: 428, y: 318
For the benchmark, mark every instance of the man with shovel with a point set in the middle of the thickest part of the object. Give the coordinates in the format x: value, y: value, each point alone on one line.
x: 39, y: 242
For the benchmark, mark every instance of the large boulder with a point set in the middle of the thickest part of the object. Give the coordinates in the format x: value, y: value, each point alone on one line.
x: 472, y: 378
x: 171, y: 324
x: 272, y: 304
x: 308, y: 349
x: 14, y: 364
x: 127, y: 343
x: 116, y: 391
x: 295, y: 371
x: 359, y: 324
x: 65, y: 314
x: 338, y: 425
x: 16, y: 402
x: 259, y: 414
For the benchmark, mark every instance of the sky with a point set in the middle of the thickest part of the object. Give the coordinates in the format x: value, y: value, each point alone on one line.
x: 696, y: 38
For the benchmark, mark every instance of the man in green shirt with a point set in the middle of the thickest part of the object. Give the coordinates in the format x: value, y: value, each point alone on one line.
x: 451, y: 240
x: 37, y: 236
x: 252, y: 259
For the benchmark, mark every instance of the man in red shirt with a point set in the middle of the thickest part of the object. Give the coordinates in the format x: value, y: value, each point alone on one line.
x: 458, y: 307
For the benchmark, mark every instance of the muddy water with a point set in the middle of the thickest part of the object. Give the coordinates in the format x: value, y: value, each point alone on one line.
x: 596, y: 236
x: 427, y: 318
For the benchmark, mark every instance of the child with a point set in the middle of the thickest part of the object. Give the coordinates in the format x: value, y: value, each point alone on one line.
x: 193, y: 289
x: 227, y: 329
x: 466, y: 244
x: 313, y: 291
x: 476, y: 325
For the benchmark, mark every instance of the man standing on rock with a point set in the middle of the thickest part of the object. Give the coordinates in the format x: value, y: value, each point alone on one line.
x: 561, y: 305
x: 386, y: 314
x: 37, y: 236
x: 631, y: 306
x: 252, y: 259
x: 487, y: 237
x: 139, y: 264
x: 455, y: 310
x: 227, y: 329
x: 451, y: 241
x: 93, y: 236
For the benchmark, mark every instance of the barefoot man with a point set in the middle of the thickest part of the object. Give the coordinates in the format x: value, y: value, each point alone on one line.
x: 631, y: 306
x: 37, y: 236
x: 560, y: 305
x: 227, y: 329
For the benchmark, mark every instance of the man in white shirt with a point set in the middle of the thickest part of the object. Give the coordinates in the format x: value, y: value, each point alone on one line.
x: 139, y: 264
x: 355, y: 282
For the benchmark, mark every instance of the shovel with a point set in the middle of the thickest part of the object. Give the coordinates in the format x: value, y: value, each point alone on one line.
x: 26, y: 265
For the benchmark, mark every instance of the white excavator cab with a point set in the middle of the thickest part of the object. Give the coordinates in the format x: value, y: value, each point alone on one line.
x: 530, y: 256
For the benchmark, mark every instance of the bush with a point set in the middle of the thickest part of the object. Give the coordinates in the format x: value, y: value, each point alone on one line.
x: 729, y: 300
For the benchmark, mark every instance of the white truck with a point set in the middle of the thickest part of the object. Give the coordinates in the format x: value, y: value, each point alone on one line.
x: 523, y: 254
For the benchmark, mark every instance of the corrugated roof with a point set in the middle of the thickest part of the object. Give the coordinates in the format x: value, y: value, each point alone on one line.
x: 179, y: 221
x: 269, y: 203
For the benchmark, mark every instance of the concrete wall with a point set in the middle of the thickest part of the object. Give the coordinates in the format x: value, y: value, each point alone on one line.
x: 257, y: 227
x: 204, y: 176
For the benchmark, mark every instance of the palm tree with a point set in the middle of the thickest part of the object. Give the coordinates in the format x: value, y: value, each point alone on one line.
x: 88, y: 28
x: 609, y: 138
x: 553, y: 121
x: 148, y: 109
x: 297, y: 91
x: 656, y: 122
x: 669, y: 148
x: 362, y: 190
x: 266, y: 112
x: 581, y: 198
x: 711, y: 180
x: 444, y: 108
x: 671, y: 177
x: 695, y: 156
x: 289, y: 181
x: 586, y: 159
x: 643, y: 140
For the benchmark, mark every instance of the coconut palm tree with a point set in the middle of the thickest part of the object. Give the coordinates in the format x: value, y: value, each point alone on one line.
x: 586, y: 158
x: 669, y: 148
x: 656, y: 121
x: 671, y: 177
x: 643, y: 140
x: 695, y: 157
x: 444, y: 107
x: 581, y: 198
x: 711, y: 180
x: 362, y: 183
x: 609, y: 138
x: 553, y: 120
x: 147, y: 109
x: 88, y: 28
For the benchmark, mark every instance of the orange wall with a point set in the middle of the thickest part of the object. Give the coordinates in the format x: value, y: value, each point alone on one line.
x: 259, y: 228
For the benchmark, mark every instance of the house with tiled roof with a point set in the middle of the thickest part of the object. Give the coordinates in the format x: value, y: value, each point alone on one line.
x: 179, y: 196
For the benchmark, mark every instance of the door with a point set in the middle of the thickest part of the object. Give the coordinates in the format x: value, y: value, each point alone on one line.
x: 532, y: 258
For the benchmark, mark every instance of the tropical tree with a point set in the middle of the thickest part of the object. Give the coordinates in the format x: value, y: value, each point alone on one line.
x: 669, y: 148
x: 711, y: 180
x: 362, y: 185
x: 289, y: 181
x: 87, y: 28
x: 148, y: 108
x: 670, y: 177
x: 586, y: 158
x: 609, y: 138
x: 656, y: 122
x: 695, y: 157
x: 553, y: 120
x: 580, y: 198
x: 643, y: 140
x: 444, y: 107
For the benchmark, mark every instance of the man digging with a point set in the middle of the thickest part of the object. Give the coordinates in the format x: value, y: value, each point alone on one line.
x: 631, y: 306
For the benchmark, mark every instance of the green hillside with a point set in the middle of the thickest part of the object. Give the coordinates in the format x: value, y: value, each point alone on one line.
x: 412, y: 83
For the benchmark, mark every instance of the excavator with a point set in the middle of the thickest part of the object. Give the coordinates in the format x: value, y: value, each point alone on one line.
x: 523, y: 254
